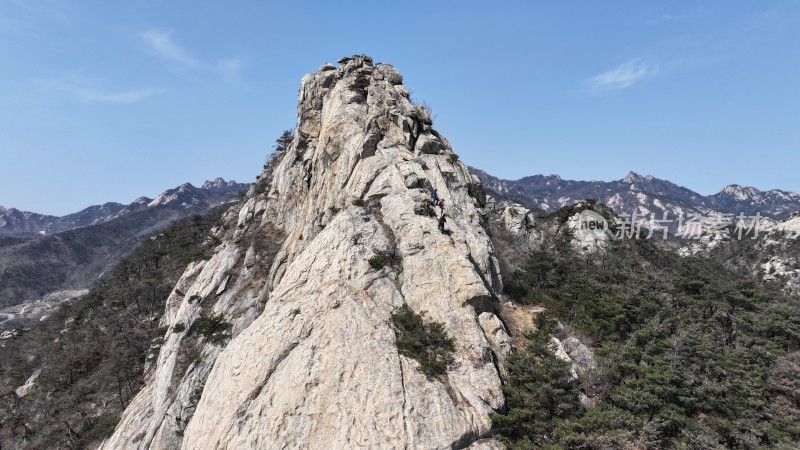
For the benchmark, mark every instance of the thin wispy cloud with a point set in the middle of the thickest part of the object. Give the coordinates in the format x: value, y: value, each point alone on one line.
x: 623, y: 76
x: 230, y: 66
x: 27, y: 18
x: 161, y: 44
x: 87, y: 95
x: 81, y: 88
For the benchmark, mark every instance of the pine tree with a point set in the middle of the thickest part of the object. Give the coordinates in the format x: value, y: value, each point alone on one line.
x: 282, y: 143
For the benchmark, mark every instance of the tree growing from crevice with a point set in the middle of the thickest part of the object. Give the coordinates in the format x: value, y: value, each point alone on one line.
x: 424, y: 341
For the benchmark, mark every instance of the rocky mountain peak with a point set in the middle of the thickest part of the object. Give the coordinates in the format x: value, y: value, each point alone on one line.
x: 740, y: 192
x: 313, y: 360
x: 217, y: 184
x: 747, y: 199
x: 633, y: 177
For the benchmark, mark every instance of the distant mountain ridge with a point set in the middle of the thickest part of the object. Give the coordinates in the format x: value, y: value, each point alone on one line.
x: 643, y: 195
x: 211, y: 193
x: 780, y: 204
x: 38, y: 271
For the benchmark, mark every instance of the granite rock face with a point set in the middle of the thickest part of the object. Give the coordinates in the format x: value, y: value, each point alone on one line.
x: 311, y: 359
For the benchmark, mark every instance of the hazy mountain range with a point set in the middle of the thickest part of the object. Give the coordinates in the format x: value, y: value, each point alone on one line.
x: 210, y: 194
x: 643, y: 195
x: 43, y: 268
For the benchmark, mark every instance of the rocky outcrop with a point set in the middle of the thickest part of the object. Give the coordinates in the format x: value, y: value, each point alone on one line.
x: 590, y: 230
x: 311, y: 361
x: 23, y: 390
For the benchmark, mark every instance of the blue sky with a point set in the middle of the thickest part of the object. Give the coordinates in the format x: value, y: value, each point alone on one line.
x: 108, y: 100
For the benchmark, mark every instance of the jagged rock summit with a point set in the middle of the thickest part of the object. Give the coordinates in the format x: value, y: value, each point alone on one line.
x: 310, y: 357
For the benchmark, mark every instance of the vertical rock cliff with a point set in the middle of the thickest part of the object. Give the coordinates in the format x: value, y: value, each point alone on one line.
x: 303, y: 354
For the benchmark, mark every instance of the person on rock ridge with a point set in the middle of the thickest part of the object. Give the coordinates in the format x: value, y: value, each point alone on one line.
x: 441, y: 223
x: 434, y: 195
x: 441, y: 205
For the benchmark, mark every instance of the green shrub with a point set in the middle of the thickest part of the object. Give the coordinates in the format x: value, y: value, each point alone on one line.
x: 178, y: 327
x: 426, y: 342
x: 452, y: 158
x: 565, y: 212
x: 212, y: 328
x: 158, y: 336
x: 104, y: 427
x: 384, y: 258
x: 359, y: 202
